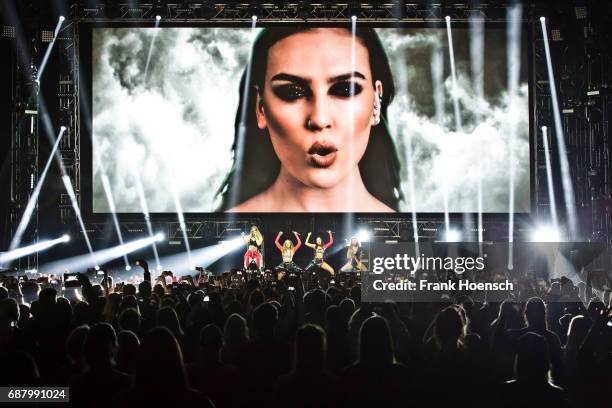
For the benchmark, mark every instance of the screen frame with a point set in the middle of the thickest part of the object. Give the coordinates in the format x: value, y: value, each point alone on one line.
x: 85, y: 32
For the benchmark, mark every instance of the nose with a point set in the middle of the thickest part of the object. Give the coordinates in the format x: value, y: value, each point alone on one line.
x: 320, y: 117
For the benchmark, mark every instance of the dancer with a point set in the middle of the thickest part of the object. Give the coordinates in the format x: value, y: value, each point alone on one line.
x: 287, y: 251
x: 353, y: 256
x: 254, y: 242
x: 319, y: 252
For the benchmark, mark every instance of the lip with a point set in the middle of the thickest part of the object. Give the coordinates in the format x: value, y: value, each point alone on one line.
x: 322, y: 154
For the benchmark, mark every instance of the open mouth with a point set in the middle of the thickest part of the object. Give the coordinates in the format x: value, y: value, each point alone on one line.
x: 322, y: 154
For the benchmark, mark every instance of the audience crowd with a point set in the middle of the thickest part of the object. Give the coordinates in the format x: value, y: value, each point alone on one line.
x: 274, y: 344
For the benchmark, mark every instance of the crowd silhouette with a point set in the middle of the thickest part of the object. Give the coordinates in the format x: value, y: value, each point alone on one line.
x: 263, y: 344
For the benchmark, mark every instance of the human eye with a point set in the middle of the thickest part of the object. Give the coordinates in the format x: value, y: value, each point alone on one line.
x: 345, y: 89
x: 291, y: 92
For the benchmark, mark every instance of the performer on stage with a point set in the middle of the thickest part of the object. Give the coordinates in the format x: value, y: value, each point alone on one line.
x: 319, y: 252
x: 253, y: 241
x: 287, y: 251
x: 353, y: 256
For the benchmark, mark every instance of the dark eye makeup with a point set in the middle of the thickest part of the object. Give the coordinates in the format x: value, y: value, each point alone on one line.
x: 292, y: 92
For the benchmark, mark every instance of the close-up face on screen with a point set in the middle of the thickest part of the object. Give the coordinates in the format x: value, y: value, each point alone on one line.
x: 308, y: 120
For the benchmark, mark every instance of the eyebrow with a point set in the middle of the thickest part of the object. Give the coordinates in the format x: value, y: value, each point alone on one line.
x: 293, y: 78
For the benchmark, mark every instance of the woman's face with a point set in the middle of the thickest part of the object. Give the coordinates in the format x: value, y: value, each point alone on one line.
x: 353, y: 241
x: 287, y: 244
x: 319, y: 241
x: 318, y: 107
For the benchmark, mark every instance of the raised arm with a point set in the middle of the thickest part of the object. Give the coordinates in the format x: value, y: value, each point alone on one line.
x: 276, y: 241
x: 299, y: 242
x: 307, y: 243
x: 330, y: 242
x: 246, y: 238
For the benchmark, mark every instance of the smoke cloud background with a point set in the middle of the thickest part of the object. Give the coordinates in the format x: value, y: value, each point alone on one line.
x: 175, y: 128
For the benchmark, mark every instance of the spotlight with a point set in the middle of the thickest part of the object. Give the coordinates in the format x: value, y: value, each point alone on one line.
x: 65, y: 238
x: 363, y: 236
x: 545, y: 233
x: 128, y: 267
x: 353, y: 18
x: 452, y: 235
x: 159, y: 267
x: 158, y: 17
x: 160, y: 237
x: 97, y: 267
x: 256, y: 10
x: 542, y: 19
x: 63, y: 128
x: 447, y: 18
x: 62, y: 18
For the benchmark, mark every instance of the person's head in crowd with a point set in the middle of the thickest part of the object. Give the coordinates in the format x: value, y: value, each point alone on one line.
x: 9, y: 312
x: 535, y: 313
x: 348, y: 307
x: 375, y: 342
x: 144, y: 290
x: 215, y: 301
x: 265, y: 317
x: 594, y: 308
x: 168, y: 318
x: 100, y: 346
x: 47, y: 296
x: 235, y: 332
x: 30, y: 290
x: 555, y: 288
x: 128, y: 351
x: 62, y: 312
x: 578, y: 328
x: 334, y: 321
x: 310, y: 349
x: 449, y: 328
x: 277, y: 306
x: 317, y: 301
x: 75, y: 344
x: 129, y: 290
x: 211, y: 341
x: 128, y: 302
x: 129, y: 319
x: 159, y: 290
x: 24, y: 314
x: 256, y: 298
x: 159, y: 365
x: 195, y: 299
x: 509, y: 314
x: 532, y: 362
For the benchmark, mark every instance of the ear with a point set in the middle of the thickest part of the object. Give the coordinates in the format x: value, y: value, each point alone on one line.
x: 376, y: 111
x: 262, y: 123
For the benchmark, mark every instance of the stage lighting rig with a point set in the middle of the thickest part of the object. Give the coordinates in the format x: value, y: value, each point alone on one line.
x: 256, y: 10
x: 304, y: 10
x: 354, y: 10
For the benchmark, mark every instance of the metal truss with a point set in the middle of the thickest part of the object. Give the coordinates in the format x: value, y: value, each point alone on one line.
x: 24, y: 138
x: 292, y: 11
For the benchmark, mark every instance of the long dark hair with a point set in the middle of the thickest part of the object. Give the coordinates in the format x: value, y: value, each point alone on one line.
x: 256, y: 165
